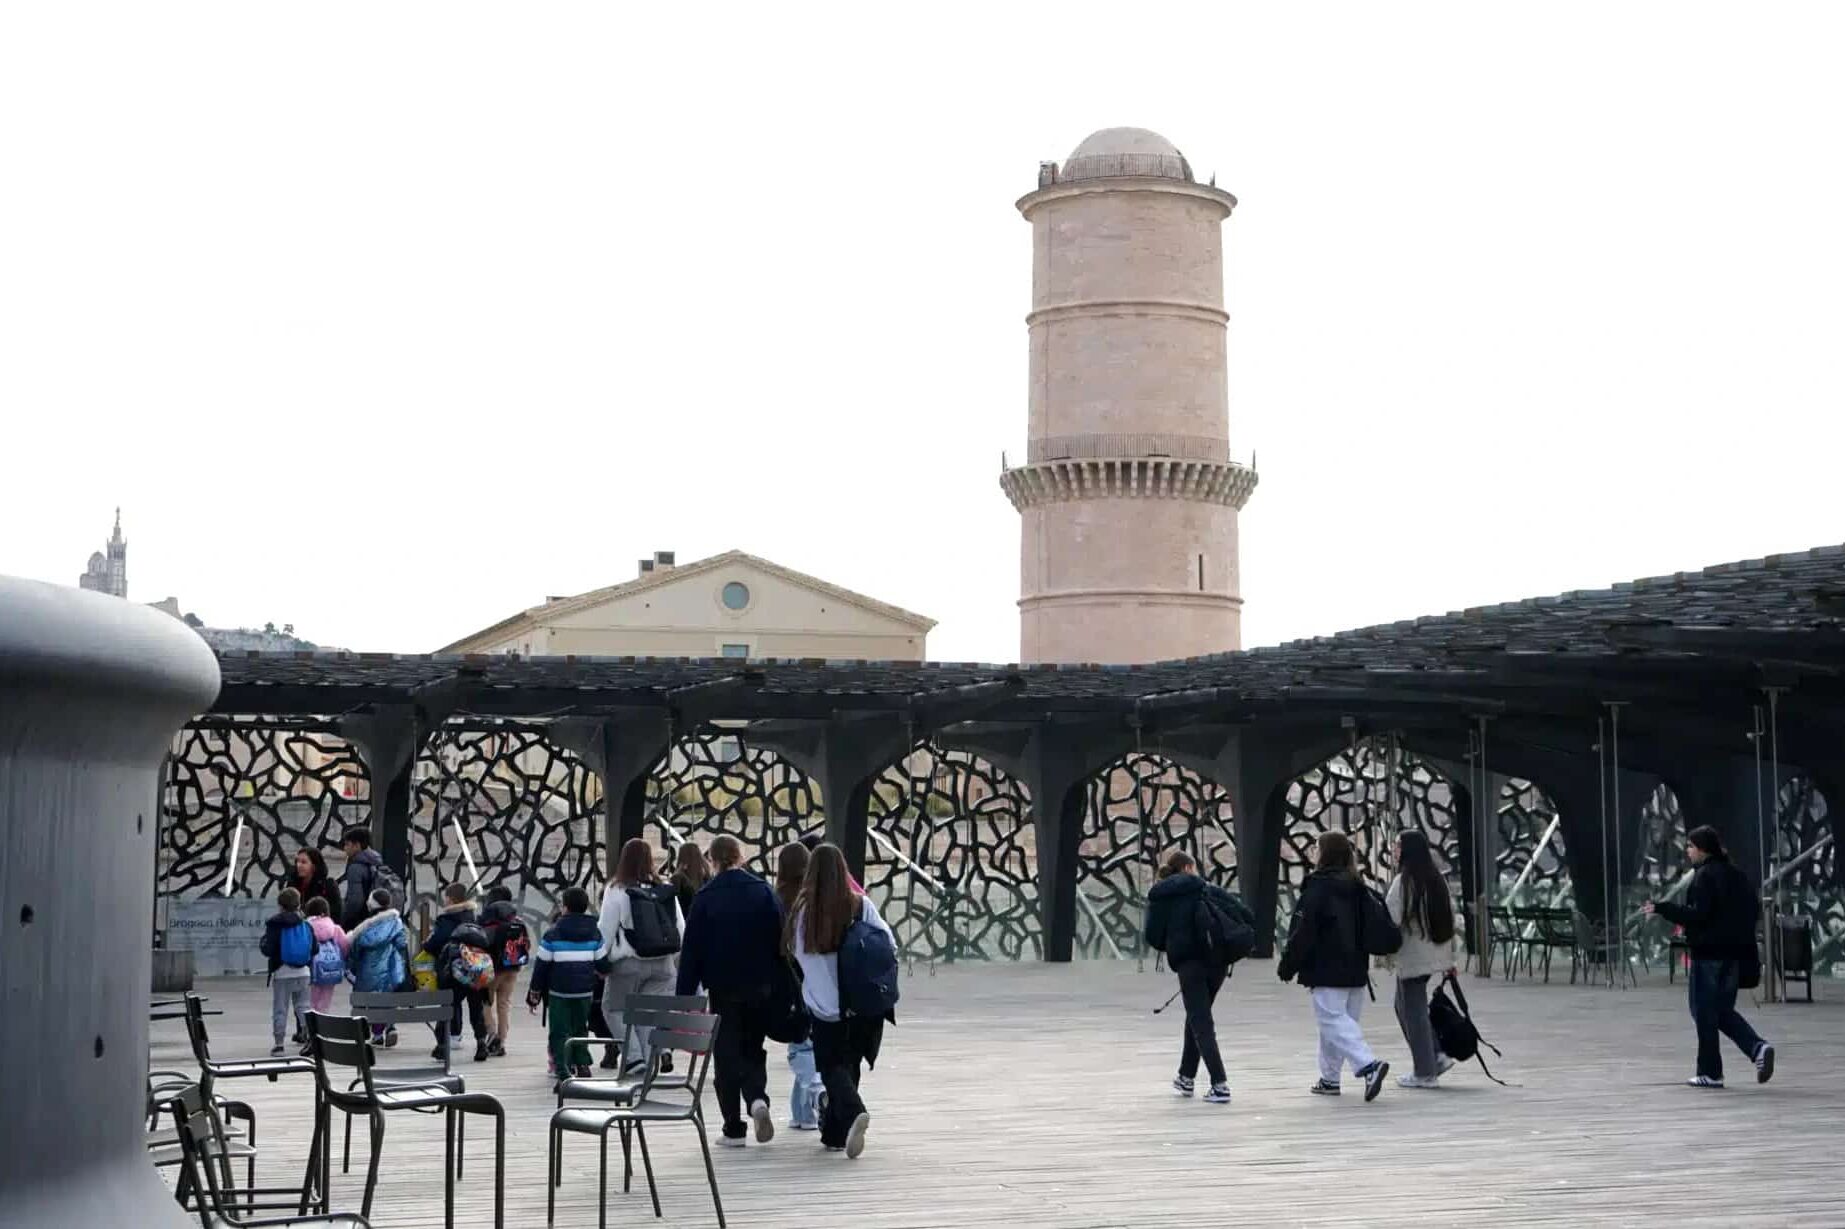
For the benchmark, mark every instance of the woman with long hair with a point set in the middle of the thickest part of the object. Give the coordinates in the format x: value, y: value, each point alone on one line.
x: 1175, y: 927
x: 1326, y: 952
x: 691, y: 871
x: 647, y: 971
x: 310, y: 876
x: 1419, y: 904
x: 804, y: 1101
x: 825, y: 910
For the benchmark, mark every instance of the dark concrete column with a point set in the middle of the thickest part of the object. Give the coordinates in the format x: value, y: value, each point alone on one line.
x: 1254, y: 766
x: 92, y: 691
x: 387, y: 741
x: 1054, y: 760
x: 1722, y: 791
x: 621, y: 749
x: 845, y: 754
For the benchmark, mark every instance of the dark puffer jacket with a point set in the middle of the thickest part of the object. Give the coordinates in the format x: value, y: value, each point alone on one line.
x: 1172, y: 918
x: 1324, y: 946
x: 1719, y: 913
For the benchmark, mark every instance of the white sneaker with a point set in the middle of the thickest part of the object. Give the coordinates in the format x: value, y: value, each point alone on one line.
x: 733, y: 1141
x: 855, y: 1138
x: 1443, y: 1065
x: 1704, y: 1081
x: 1418, y: 1081
x: 765, y: 1125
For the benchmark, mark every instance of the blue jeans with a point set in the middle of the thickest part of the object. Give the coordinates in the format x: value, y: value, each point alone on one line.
x: 1713, y: 1010
x: 804, y: 1100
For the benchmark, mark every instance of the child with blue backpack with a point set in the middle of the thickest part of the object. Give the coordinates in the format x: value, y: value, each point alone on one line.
x: 380, y: 955
x: 288, y: 942
x: 330, y: 948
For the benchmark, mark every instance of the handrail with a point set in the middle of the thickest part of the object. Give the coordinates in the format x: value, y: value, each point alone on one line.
x: 1812, y: 852
x: 1531, y: 862
x: 904, y: 861
x: 1095, y: 919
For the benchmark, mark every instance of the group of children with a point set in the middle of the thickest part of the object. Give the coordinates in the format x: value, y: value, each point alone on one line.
x: 762, y: 955
x: 477, y: 958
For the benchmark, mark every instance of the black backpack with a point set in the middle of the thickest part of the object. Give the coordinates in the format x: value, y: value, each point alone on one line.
x: 1377, y: 934
x: 867, y: 971
x: 1455, y: 1034
x: 1225, y: 924
x: 655, y: 920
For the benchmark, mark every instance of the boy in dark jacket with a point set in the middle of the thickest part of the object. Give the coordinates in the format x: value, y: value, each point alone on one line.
x: 564, y: 974
x: 1175, y: 927
x: 288, y: 982
x: 1326, y: 952
x: 360, y: 878
x: 457, y: 911
x: 1719, y: 916
x: 500, y: 919
x: 733, y: 941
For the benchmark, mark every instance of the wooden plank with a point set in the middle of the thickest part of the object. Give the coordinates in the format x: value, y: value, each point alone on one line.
x: 1035, y: 1096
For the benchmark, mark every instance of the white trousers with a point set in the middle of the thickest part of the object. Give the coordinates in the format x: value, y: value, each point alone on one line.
x: 1341, y: 1040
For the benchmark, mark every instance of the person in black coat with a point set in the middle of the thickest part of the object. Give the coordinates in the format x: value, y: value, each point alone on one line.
x: 311, y: 879
x: 1326, y: 952
x: 1175, y: 926
x: 1719, y: 916
x: 732, y: 945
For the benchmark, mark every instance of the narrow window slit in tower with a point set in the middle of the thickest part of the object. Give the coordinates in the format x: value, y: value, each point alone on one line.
x: 1201, y: 573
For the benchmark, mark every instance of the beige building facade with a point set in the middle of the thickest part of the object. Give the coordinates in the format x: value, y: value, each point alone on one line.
x: 730, y: 605
x: 1128, y: 499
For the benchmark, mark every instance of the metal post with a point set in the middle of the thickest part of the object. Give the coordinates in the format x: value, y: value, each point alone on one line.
x: 1761, y: 831
x: 1777, y: 989
x: 1140, y: 806
x: 1601, y: 791
x: 1618, y: 877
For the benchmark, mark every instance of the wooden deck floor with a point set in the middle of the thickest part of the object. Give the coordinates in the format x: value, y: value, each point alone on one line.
x: 1036, y: 1096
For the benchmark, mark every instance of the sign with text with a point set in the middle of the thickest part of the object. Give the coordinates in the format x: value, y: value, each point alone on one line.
x: 224, y: 933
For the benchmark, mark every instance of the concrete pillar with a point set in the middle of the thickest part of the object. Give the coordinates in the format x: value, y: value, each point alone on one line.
x: 92, y: 691
x: 845, y: 754
x: 621, y: 749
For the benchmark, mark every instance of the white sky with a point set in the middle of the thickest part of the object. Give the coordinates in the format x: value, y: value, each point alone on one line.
x: 388, y: 320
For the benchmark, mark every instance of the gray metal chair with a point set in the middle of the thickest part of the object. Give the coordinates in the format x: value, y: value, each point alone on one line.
x: 211, y: 1069
x: 691, y: 1034
x: 612, y: 1090
x: 388, y: 1009
x: 205, y: 1185
x: 345, y: 1042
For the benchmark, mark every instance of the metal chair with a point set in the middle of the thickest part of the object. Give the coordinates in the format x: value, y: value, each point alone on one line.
x: 205, y: 1185
x: 687, y: 1033
x: 211, y: 1070
x: 388, y: 1009
x: 345, y: 1042
x: 1596, y: 945
x: 611, y: 1090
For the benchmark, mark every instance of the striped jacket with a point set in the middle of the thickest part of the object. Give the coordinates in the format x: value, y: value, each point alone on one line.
x: 569, y: 958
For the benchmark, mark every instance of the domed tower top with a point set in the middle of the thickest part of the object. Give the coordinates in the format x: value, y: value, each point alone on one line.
x: 1118, y: 153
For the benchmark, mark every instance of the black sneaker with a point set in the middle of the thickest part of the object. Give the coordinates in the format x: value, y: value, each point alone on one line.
x: 390, y: 1036
x: 1374, y: 1078
x: 480, y: 1051
x: 439, y: 1053
x: 1183, y: 1086
x: 610, y: 1060
x: 1219, y: 1094
x: 584, y: 1072
x: 1705, y: 1081
x: 496, y: 1048
x: 1764, y: 1064
x: 1324, y: 1088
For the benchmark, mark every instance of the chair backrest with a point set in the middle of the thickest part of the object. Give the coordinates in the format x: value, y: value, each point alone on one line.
x: 339, y: 1041
x: 195, y: 1028
x: 195, y: 1122
x: 690, y: 1033
x: 389, y: 1008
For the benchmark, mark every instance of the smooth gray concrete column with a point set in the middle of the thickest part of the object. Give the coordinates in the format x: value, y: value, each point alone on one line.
x: 92, y: 691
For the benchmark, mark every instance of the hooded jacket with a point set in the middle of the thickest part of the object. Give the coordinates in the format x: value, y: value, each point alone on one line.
x: 380, y: 953
x: 325, y: 928
x: 1324, y: 948
x: 446, y: 922
x: 358, y: 879
x: 1172, y: 918
x: 1719, y: 911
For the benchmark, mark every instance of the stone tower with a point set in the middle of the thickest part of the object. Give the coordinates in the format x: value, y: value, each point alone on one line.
x: 109, y: 574
x: 1128, y: 497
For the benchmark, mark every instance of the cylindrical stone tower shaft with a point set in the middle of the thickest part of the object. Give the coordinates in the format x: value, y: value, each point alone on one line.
x: 1128, y: 496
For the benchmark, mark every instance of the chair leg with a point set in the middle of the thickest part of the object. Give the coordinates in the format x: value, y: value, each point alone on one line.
x: 627, y: 1160
x: 448, y: 1169
x: 499, y: 1171
x: 461, y: 1143
x: 311, y: 1178
x: 602, y: 1183
x: 371, y: 1172
x: 710, y: 1172
x: 551, y: 1176
x: 640, y: 1133
x: 346, y: 1160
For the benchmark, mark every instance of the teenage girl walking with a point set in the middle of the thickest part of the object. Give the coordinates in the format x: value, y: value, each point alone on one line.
x: 1420, y: 906
x: 1173, y: 927
x: 629, y: 971
x: 804, y: 1099
x: 1326, y: 952
x: 827, y: 908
